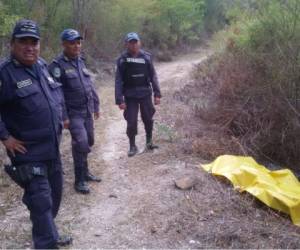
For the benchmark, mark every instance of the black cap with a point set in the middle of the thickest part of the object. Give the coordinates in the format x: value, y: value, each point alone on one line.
x: 26, y: 28
x: 70, y: 35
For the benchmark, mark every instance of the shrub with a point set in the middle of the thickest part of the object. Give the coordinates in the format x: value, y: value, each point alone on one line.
x: 253, y: 84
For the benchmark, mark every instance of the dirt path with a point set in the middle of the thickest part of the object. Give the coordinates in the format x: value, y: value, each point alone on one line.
x: 137, y: 194
x: 136, y: 205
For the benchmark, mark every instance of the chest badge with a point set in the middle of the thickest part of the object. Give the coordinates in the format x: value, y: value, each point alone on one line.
x: 24, y: 83
x: 56, y: 72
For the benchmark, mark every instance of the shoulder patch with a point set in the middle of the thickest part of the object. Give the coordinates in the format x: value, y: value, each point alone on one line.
x: 56, y: 72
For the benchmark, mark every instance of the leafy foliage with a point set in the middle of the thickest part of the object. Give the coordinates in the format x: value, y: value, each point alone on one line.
x: 162, y: 24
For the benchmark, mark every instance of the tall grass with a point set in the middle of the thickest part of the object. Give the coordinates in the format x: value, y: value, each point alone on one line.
x: 254, y: 83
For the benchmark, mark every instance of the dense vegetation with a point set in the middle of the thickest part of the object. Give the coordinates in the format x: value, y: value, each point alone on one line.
x: 163, y: 24
x: 249, y: 91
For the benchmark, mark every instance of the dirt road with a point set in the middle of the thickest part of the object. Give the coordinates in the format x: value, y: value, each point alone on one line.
x: 136, y: 198
x: 137, y: 205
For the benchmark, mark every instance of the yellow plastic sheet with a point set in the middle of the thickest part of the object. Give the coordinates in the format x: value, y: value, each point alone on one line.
x: 277, y: 189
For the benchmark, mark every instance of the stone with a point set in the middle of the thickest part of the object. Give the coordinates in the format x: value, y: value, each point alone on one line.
x: 185, y: 183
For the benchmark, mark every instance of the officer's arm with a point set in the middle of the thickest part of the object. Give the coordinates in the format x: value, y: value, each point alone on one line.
x: 154, y: 80
x: 4, y: 134
x: 63, y: 106
x: 10, y: 143
x: 55, y: 71
x: 119, y: 84
x: 96, y: 100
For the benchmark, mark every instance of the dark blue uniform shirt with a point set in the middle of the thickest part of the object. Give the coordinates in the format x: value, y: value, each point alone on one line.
x: 80, y: 95
x: 135, y: 77
x: 31, y: 105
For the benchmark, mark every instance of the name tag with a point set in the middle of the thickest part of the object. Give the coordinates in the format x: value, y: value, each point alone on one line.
x: 24, y: 83
x: 70, y: 71
x: 136, y: 60
x: 138, y: 75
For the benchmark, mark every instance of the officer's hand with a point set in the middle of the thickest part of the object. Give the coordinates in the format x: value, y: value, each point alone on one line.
x: 12, y: 145
x: 122, y: 106
x: 156, y: 100
x: 96, y: 115
x: 66, y: 124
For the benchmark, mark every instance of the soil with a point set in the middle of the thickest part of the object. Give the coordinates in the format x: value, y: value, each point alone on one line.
x: 137, y: 204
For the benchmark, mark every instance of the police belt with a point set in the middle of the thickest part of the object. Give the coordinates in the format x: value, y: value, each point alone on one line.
x: 23, y: 174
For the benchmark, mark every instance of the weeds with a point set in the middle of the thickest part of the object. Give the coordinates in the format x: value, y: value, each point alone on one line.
x: 165, y: 132
x: 251, y: 89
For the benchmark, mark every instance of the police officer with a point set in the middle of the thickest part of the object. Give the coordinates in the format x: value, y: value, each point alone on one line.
x: 30, y: 126
x: 82, y: 104
x: 135, y: 81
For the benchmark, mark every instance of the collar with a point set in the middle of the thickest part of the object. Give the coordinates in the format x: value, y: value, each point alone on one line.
x: 140, y: 54
x: 16, y: 62
x: 67, y: 59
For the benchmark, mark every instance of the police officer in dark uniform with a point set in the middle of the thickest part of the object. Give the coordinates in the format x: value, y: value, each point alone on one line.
x: 135, y: 81
x: 31, y: 104
x: 82, y: 104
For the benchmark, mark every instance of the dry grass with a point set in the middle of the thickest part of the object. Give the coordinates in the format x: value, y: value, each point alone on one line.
x: 239, y: 110
x: 235, y: 220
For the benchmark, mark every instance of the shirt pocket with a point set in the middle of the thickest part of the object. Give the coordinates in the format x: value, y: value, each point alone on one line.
x: 73, y: 80
x: 29, y: 99
x: 56, y: 91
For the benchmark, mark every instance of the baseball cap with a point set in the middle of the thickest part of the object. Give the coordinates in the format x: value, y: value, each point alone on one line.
x: 26, y: 28
x: 70, y: 35
x: 132, y: 36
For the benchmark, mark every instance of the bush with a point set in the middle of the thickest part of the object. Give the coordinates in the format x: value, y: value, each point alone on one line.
x: 253, y: 85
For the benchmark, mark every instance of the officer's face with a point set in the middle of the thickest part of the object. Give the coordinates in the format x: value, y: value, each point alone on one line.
x: 26, y: 50
x: 133, y: 47
x: 72, y: 49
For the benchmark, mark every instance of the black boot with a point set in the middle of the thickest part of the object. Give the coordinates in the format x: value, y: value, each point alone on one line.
x: 82, y: 187
x: 91, y: 177
x: 64, y: 240
x: 132, y: 147
x: 149, y: 143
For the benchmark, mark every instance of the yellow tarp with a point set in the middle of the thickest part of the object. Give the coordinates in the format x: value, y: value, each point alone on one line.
x: 277, y: 189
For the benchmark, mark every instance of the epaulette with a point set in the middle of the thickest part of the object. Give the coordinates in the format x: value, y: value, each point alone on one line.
x: 82, y: 57
x: 147, y: 53
x: 4, y: 62
x: 42, y: 62
x: 55, y: 60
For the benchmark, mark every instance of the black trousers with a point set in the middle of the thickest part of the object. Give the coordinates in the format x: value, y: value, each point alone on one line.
x: 82, y: 132
x: 42, y: 196
x: 146, y: 106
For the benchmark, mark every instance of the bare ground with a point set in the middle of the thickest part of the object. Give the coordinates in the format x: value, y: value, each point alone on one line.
x: 137, y: 205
